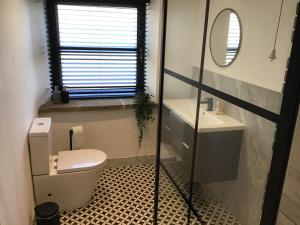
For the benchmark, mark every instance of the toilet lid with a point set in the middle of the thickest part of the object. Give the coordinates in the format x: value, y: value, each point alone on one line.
x: 79, y: 160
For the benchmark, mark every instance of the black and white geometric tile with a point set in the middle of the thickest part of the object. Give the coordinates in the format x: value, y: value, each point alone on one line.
x: 208, y: 206
x: 172, y: 209
x: 124, y: 196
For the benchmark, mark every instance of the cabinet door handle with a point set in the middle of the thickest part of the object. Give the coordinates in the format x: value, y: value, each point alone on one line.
x: 185, y: 145
x: 167, y: 128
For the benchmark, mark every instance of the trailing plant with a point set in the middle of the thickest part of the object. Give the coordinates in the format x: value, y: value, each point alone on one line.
x: 143, y: 106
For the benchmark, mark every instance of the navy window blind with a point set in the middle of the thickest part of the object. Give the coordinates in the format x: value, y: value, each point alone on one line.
x: 97, y: 50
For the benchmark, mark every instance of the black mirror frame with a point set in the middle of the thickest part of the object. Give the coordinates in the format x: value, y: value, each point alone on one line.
x: 241, y: 37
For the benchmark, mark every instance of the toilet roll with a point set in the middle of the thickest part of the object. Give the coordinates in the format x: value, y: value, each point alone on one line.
x: 78, y: 137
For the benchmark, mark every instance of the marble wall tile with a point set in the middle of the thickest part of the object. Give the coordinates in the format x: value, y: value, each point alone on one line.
x: 295, y: 152
x: 244, y: 196
x: 290, y: 200
x: 256, y: 95
x: 284, y: 220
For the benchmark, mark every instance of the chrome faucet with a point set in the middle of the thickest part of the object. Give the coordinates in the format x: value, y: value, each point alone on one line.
x: 210, y: 104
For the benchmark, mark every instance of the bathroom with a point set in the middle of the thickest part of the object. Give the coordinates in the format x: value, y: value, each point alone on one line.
x: 169, y: 178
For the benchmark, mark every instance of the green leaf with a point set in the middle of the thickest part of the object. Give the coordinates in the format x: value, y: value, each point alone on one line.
x: 143, y: 106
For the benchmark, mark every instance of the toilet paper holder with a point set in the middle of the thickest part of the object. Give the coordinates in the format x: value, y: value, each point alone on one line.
x: 71, y: 139
x: 76, y: 137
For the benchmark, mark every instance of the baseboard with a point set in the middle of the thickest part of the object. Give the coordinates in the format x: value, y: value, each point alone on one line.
x: 131, y: 161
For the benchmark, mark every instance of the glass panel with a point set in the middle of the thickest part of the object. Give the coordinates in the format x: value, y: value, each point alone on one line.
x: 172, y: 208
x: 290, y: 200
x: 183, y: 52
x: 178, y: 121
x: 184, y: 36
x: 233, y: 156
x: 252, y: 76
x: 234, y: 146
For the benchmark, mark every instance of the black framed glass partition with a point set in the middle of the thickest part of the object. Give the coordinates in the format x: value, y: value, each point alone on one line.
x: 177, y: 131
x: 226, y: 123
x: 232, y: 163
x: 176, y: 151
x: 178, y: 128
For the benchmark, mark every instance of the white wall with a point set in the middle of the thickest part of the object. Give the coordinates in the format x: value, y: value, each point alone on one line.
x: 154, y: 38
x: 184, y: 35
x: 112, y: 131
x: 22, y: 88
x: 183, y: 44
x: 259, y: 21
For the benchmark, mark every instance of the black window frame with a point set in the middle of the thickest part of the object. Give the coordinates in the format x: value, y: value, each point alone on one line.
x: 54, y: 40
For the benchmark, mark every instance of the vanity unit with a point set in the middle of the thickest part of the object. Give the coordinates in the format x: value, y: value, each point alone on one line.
x: 218, y: 143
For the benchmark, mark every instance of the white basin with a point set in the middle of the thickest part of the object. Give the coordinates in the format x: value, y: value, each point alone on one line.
x: 208, y: 121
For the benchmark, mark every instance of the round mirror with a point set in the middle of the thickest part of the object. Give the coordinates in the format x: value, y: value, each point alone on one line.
x: 225, y: 37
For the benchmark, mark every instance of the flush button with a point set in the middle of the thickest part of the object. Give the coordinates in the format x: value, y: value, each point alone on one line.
x: 40, y: 124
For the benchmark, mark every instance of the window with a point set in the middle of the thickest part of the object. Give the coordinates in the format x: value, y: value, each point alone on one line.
x: 233, y: 41
x: 97, y: 48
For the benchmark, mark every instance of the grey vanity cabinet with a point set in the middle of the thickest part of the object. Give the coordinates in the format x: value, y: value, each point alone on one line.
x: 178, y: 135
x: 217, y: 156
x: 217, y: 153
x: 181, y: 137
x: 165, y: 126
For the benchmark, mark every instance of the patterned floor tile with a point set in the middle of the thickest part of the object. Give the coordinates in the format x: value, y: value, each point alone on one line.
x: 208, y: 206
x: 125, y: 196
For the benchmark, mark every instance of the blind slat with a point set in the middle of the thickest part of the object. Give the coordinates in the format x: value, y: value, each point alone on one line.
x: 98, y: 50
x: 233, y: 38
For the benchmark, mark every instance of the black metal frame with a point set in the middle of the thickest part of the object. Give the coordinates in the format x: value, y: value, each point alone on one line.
x: 191, y: 208
x: 229, y: 98
x: 285, y: 131
x: 55, y: 48
x: 159, y: 116
x: 285, y: 122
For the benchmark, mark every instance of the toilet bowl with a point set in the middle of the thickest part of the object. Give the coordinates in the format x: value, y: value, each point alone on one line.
x: 69, y: 178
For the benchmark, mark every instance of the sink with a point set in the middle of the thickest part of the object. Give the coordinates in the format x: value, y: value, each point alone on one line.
x: 208, y: 119
x: 185, y: 108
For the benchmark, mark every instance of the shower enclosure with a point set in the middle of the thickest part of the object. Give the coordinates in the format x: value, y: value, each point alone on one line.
x: 227, y: 112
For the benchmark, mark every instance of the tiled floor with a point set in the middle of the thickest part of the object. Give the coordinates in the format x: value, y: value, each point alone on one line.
x: 209, y: 207
x: 125, y: 196
x: 172, y: 207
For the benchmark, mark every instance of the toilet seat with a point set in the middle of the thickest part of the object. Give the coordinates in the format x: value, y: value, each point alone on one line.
x: 79, y: 160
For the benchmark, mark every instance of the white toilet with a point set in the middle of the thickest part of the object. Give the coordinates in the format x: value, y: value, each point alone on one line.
x: 69, y: 178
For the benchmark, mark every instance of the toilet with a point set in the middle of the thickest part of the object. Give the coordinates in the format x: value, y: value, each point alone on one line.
x: 69, y: 178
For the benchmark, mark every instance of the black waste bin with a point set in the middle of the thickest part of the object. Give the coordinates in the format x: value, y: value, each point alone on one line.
x: 47, y: 214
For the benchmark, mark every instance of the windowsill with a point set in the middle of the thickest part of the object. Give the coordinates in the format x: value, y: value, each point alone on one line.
x: 87, y: 105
